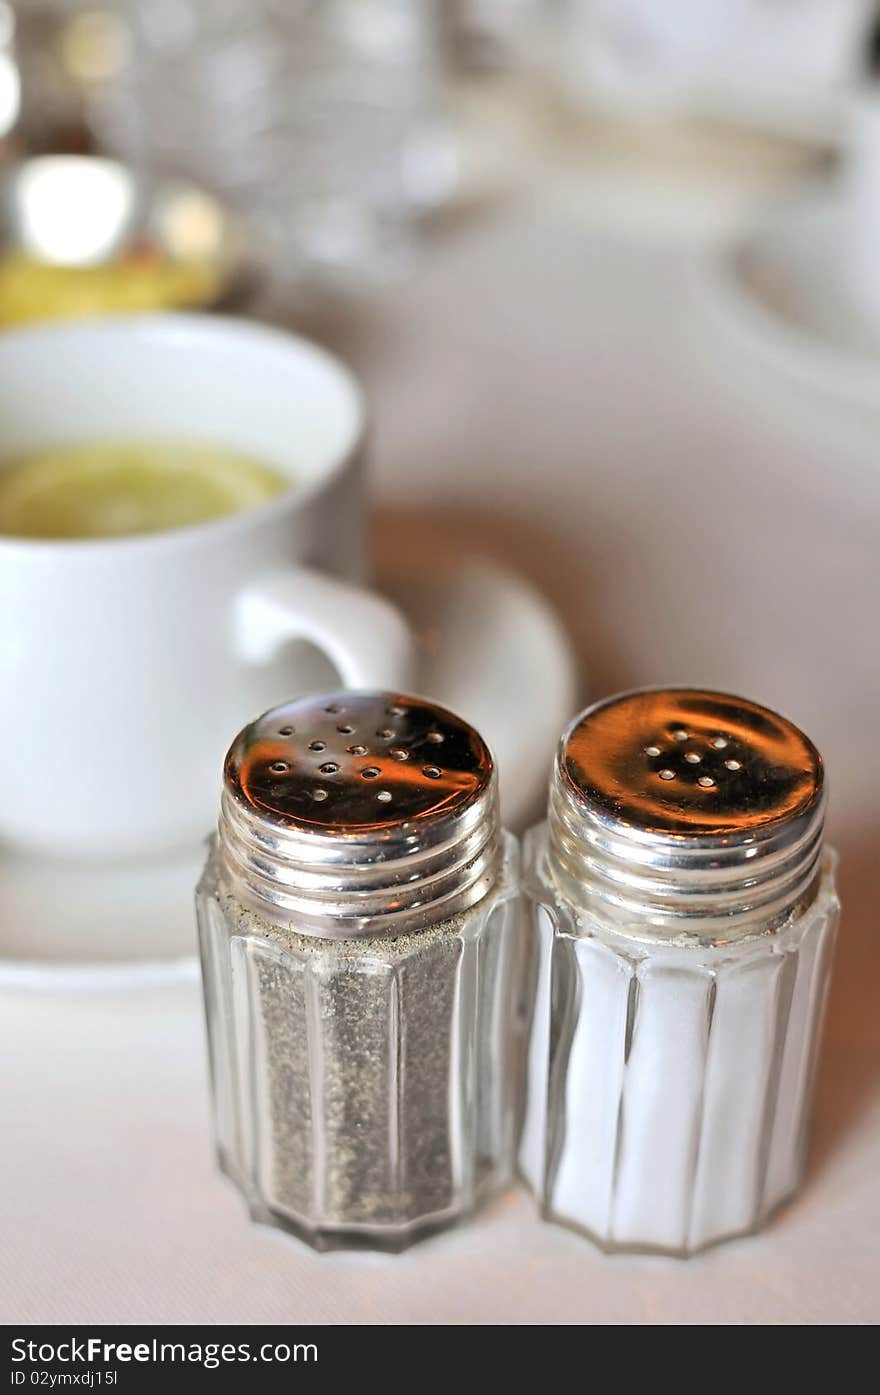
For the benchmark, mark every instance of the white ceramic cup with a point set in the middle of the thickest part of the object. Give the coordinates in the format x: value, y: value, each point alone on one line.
x: 127, y: 665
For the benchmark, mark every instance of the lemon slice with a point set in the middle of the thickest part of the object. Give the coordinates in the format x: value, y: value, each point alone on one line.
x: 113, y: 489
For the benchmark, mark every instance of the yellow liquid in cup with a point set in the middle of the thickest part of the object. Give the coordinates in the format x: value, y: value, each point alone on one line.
x: 113, y: 489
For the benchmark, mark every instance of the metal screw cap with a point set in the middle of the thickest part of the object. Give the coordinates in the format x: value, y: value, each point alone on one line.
x: 359, y: 813
x: 682, y: 804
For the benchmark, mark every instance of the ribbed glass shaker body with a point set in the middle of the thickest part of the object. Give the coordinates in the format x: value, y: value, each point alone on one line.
x: 683, y: 915
x: 362, y: 961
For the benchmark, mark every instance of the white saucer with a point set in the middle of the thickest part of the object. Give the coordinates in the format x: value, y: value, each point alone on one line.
x: 494, y: 651
x: 781, y: 289
x: 490, y: 648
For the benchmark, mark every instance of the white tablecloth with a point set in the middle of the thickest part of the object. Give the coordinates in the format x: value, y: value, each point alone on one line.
x: 558, y: 390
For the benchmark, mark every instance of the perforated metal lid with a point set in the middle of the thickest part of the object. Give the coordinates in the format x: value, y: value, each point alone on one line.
x: 681, y: 804
x: 349, y: 814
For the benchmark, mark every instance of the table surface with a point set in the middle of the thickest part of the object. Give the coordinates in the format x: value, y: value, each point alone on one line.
x: 553, y: 385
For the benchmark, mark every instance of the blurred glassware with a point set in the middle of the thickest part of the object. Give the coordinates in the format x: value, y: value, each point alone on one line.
x: 10, y: 79
x: 493, y: 35
x: 757, y: 62
x: 84, y: 236
x: 56, y: 56
x: 319, y: 118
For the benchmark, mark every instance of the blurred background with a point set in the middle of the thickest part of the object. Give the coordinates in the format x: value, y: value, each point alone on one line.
x: 610, y: 272
x: 336, y: 129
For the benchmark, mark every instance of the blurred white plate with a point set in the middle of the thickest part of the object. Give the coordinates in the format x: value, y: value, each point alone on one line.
x: 781, y: 289
x: 491, y: 649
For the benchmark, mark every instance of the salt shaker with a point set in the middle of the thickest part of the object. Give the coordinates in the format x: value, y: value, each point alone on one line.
x: 361, y: 953
x: 684, y: 915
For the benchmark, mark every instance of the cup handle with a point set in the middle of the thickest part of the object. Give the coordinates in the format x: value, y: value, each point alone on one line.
x: 365, y: 637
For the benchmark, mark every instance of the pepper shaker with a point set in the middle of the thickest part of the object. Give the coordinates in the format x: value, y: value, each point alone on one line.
x: 684, y: 914
x: 361, y: 953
